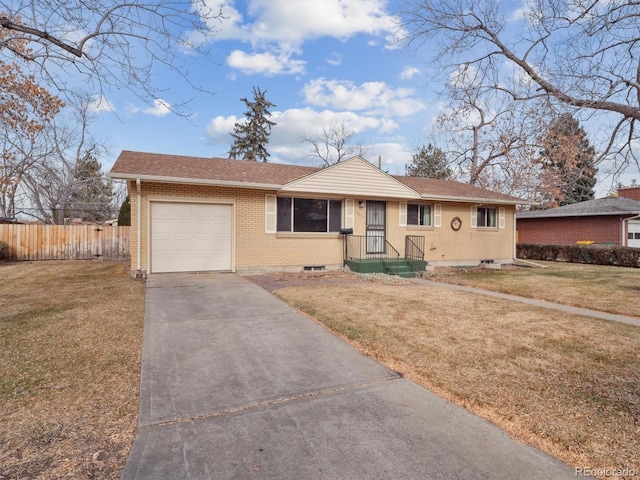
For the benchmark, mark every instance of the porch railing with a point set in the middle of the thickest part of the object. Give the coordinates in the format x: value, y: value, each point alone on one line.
x: 357, y: 246
x: 414, y: 251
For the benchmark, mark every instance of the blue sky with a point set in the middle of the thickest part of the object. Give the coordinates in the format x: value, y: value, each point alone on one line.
x: 319, y: 61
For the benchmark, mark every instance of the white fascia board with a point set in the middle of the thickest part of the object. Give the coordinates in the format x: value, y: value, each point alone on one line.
x: 195, y: 181
x: 568, y: 215
x: 487, y: 201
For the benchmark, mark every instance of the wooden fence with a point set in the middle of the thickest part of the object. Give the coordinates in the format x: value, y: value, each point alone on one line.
x: 65, y: 242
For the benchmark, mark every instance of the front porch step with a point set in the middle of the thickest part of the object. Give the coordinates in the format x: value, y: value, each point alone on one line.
x: 405, y: 268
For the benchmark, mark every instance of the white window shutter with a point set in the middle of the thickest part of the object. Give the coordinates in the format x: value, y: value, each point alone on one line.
x: 474, y: 217
x: 402, y: 214
x: 349, y: 213
x: 501, y: 217
x: 437, y: 215
x: 270, y: 214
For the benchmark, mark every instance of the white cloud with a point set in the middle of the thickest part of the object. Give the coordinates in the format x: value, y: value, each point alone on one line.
x: 160, y: 108
x: 219, y: 129
x: 375, y: 98
x: 335, y: 59
x: 286, y: 143
x: 264, y: 63
x: 100, y: 104
x: 292, y: 23
x: 409, y: 72
x: 278, y: 28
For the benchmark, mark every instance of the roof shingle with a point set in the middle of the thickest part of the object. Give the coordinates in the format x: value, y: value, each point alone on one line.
x: 209, y: 170
x: 599, y: 206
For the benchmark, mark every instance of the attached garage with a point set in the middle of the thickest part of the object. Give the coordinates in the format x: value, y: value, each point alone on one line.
x: 633, y: 235
x: 191, y: 237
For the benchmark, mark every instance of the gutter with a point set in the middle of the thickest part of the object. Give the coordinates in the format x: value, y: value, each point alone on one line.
x: 195, y: 181
x: 138, y: 222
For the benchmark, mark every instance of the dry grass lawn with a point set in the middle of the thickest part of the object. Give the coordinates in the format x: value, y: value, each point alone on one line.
x: 603, y: 288
x: 569, y: 385
x: 70, y: 350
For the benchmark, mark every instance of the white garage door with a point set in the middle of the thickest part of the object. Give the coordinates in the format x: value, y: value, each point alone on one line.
x: 633, y: 236
x: 190, y: 237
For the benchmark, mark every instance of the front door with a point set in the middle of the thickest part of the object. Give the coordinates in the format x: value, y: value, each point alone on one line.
x: 376, y: 213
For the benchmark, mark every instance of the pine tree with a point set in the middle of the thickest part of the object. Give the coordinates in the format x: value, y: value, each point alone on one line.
x: 429, y: 162
x: 250, y: 137
x: 124, y: 217
x: 92, y: 193
x: 568, y: 161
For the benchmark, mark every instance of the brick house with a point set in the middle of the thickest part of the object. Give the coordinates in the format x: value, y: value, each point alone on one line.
x: 611, y: 220
x: 213, y: 214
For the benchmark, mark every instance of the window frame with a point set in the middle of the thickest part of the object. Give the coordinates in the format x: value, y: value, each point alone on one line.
x: 485, y: 217
x: 330, y: 205
x: 419, y: 216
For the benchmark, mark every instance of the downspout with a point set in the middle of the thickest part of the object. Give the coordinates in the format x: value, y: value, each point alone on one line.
x: 138, y: 224
x: 515, y: 237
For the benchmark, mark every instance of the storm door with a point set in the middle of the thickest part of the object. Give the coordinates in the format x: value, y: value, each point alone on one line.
x: 376, y: 213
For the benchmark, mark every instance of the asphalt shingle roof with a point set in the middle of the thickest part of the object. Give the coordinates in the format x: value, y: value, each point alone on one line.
x: 599, y: 206
x: 193, y: 169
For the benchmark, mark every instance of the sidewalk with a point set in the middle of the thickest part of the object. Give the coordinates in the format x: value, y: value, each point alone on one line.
x: 536, y: 303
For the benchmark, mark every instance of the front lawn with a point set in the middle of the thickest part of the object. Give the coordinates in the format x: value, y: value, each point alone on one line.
x: 567, y: 384
x: 70, y: 350
x: 597, y: 287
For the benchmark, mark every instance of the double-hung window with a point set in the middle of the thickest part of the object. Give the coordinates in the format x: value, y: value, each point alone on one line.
x: 419, y: 214
x: 487, y: 217
x: 308, y: 215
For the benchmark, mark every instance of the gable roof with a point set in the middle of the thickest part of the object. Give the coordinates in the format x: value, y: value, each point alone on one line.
x: 597, y: 207
x: 295, y: 178
x: 355, y: 176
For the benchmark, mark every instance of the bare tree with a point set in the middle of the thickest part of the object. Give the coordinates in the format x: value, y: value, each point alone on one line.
x: 337, y: 142
x: 55, y: 185
x: 107, y: 45
x: 584, y: 55
x: 491, y: 138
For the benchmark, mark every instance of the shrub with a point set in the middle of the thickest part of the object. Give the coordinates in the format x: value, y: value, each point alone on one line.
x: 592, y: 254
x: 4, y: 250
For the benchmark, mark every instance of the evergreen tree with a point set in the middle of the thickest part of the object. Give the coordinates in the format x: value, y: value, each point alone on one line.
x: 429, y: 162
x: 568, y: 162
x: 92, y: 192
x: 250, y: 137
x: 124, y: 217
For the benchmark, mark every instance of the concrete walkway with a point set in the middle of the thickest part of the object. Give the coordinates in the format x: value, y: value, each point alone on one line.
x: 536, y: 303
x: 236, y: 384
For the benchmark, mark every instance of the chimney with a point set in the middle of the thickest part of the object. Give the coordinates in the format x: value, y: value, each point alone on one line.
x: 632, y: 192
x: 380, y: 162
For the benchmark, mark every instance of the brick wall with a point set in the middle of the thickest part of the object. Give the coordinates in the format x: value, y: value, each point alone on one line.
x: 568, y: 230
x: 255, y: 250
x: 630, y: 192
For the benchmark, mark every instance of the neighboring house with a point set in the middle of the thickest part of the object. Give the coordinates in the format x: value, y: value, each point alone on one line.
x: 212, y: 214
x: 614, y: 220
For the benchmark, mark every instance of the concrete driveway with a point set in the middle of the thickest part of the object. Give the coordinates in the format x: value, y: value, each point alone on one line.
x: 236, y: 384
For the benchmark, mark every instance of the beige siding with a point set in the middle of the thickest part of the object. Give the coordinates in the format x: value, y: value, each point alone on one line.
x: 354, y: 178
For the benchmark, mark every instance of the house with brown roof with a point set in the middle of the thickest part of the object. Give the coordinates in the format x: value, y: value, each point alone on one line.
x: 211, y: 214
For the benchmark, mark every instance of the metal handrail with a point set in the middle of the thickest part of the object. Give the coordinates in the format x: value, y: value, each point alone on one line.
x: 388, y: 262
x: 414, y: 252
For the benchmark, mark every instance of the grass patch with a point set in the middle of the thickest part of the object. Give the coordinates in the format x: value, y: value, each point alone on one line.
x: 567, y: 384
x: 70, y: 350
x: 597, y: 287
